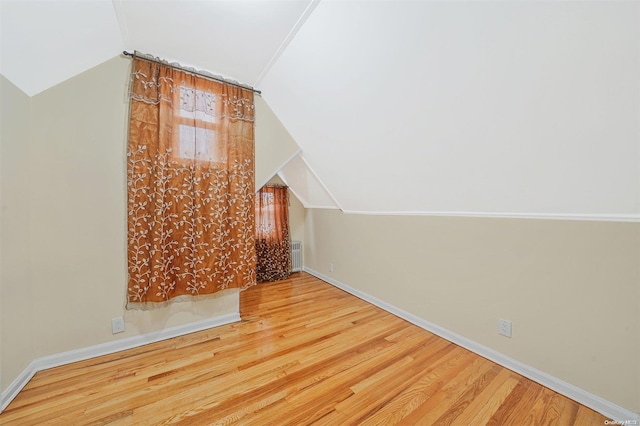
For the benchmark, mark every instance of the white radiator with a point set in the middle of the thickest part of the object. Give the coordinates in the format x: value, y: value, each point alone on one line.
x: 296, y: 256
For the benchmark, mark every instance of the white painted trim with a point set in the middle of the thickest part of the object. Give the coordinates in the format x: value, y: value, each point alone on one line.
x: 588, y: 399
x: 320, y: 181
x: 304, y: 202
x: 82, y: 354
x: 118, y: 8
x: 554, y: 216
x: 285, y: 43
x: 320, y: 207
x: 16, y: 386
x: 298, y: 151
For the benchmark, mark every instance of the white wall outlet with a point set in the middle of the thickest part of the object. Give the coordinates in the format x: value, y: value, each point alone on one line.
x: 504, y: 327
x: 331, y: 267
x: 117, y: 325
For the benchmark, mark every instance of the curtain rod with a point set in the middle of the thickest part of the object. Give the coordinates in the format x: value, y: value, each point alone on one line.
x: 191, y: 71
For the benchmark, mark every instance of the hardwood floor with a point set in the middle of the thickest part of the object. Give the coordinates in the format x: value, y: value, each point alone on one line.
x: 304, y: 353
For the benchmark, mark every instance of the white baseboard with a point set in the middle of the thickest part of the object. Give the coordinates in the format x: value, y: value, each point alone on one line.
x: 81, y: 354
x: 588, y: 399
x: 16, y: 386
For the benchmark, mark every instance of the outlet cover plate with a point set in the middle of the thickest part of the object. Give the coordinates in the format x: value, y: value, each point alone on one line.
x: 504, y: 328
x: 117, y: 325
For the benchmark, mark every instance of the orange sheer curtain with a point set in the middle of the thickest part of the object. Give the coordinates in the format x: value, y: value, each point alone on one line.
x: 273, y: 243
x: 190, y: 186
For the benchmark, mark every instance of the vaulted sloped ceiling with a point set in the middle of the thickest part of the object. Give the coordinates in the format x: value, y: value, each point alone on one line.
x: 47, y: 41
x: 237, y: 39
x: 499, y: 108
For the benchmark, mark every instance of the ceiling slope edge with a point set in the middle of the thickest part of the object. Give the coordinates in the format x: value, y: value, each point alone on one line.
x: 274, y: 146
x: 285, y: 43
x: 29, y: 31
x: 263, y: 182
x: 118, y: 8
x: 306, y: 185
x: 612, y: 217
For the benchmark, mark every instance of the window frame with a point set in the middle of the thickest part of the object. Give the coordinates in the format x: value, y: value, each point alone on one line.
x: 216, y: 146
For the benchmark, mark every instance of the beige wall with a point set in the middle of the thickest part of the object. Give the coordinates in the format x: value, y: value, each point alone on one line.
x: 17, y: 332
x: 274, y: 145
x: 64, y: 219
x: 571, y: 288
x: 78, y: 208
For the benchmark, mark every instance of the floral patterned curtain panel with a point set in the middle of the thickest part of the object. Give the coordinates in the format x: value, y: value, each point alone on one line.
x: 273, y: 243
x: 190, y: 186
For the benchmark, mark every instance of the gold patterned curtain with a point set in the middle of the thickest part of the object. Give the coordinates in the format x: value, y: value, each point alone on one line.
x: 273, y: 243
x: 190, y: 186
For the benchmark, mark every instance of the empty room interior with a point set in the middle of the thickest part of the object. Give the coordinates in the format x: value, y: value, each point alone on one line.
x: 463, y: 178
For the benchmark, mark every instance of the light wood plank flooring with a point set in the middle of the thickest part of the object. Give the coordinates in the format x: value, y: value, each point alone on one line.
x: 304, y: 353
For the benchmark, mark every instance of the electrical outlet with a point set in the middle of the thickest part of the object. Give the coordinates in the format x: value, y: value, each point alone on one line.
x: 331, y: 267
x: 117, y: 325
x: 504, y: 327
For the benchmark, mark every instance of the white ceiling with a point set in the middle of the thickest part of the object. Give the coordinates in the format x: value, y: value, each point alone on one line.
x: 45, y: 42
x: 496, y: 107
x: 236, y: 38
